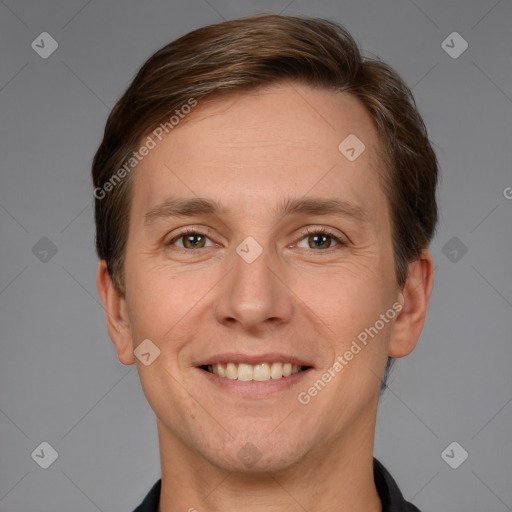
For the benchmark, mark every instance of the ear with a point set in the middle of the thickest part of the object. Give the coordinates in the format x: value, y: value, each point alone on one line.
x: 414, y: 298
x: 116, y: 315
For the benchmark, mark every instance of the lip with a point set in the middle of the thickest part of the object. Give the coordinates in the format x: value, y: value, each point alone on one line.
x: 254, y: 388
x: 271, y: 357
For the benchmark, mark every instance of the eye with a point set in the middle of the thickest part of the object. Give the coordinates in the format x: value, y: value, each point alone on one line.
x: 321, y: 238
x: 192, y: 239
x: 318, y: 238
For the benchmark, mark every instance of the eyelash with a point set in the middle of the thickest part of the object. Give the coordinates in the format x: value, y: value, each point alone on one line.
x: 310, y: 231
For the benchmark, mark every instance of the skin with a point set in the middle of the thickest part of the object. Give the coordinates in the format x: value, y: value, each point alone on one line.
x: 250, y: 151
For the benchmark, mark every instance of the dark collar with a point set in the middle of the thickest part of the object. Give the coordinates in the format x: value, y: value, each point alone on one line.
x: 390, y: 495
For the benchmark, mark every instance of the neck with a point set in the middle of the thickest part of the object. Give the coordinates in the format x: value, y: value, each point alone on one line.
x: 337, y: 475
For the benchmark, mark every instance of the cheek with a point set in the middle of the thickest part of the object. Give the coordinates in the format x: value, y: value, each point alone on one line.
x: 356, y: 295
x: 166, y: 305
x: 155, y: 306
x: 353, y: 314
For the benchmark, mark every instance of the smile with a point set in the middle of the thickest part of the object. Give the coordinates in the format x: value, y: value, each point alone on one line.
x: 259, y: 372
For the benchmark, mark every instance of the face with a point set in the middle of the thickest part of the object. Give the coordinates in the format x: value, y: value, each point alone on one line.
x: 264, y: 273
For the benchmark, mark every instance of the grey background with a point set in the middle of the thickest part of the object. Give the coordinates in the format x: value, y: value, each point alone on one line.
x: 60, y: 379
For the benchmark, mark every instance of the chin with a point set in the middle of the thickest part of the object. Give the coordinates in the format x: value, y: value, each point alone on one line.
x: 257, y: 454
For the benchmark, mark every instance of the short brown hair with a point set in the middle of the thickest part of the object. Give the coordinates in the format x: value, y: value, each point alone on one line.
x: 244, y: 54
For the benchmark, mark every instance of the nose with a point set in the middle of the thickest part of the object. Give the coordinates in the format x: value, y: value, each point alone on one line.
x: 254, y: 296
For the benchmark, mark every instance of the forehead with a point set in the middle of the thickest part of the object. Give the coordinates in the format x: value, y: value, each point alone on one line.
x: 280, y: 141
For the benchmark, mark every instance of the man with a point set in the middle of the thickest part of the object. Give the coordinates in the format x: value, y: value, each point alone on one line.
x: 265, y: 198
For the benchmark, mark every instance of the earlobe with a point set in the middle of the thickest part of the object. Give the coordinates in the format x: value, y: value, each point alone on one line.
x: 414, y: 299
x: 116, y: 315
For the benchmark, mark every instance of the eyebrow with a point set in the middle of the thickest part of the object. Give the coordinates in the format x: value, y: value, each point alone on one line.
x: 180, y: 207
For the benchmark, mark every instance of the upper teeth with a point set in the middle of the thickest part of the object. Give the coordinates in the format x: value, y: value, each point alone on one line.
x: 260, y: 372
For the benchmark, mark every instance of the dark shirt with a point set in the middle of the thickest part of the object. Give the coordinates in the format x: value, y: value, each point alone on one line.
x: 390, y: 495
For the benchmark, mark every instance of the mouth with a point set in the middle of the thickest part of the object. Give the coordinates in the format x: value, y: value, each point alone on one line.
x: 261, y: 372
x: 253, y: 376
